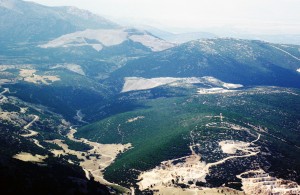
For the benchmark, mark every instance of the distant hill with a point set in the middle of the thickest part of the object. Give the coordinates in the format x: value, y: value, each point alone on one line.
x: 98, y: 39
x: 28, y: 21
x: 177, y: 37
x: 231, y: 60
x: 186, y: 37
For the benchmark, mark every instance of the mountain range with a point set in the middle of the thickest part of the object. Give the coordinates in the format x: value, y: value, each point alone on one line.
x: 88, y: 106
x: 231, y: 60
x: 22, y: 21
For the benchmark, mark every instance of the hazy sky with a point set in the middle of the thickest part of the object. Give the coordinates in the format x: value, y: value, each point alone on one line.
x: 254, y: 16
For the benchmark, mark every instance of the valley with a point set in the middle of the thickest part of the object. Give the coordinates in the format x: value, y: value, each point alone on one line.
x: 200, y: 113
x: 124, y: 137
x: 93, y: 161
x: 89, y: 106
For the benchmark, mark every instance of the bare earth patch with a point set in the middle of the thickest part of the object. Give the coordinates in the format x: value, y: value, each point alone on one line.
x: 190, y: 169
x: 258, y: 182
x: 106, y: 38
x: 216, y: 85
x: 27, y: 157
x: 134, y: 119
x: 26, y: 72
x: 12, y: 117
x: 196, y: 191
x: 29, y: 75
x: 231, y: 146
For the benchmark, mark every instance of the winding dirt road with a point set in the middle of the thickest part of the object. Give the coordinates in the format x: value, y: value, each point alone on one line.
x: 31, y: 132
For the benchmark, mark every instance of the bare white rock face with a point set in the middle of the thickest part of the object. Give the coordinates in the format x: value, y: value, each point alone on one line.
x: 100, y: 38
x: 139, y: 83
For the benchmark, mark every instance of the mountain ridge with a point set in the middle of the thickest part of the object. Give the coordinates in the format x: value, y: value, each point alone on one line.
x: 34, y: 22
x: 232, y: 60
